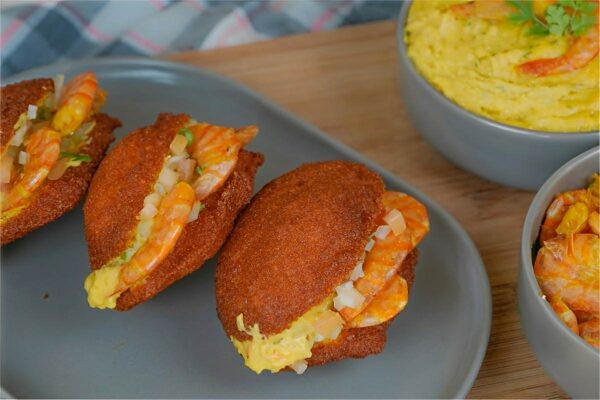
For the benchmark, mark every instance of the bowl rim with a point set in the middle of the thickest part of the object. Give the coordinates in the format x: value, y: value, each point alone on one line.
x: 526, y: 265
x: 467, y: 114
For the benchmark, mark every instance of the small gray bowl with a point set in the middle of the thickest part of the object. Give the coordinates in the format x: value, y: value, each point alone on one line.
x: 505, y: 154
x: 566, y: 357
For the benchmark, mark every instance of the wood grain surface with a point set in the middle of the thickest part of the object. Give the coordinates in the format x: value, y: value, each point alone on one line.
x: 346, y: 83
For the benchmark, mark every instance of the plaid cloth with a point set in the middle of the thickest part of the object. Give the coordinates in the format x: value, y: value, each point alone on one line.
x: 45, y: 32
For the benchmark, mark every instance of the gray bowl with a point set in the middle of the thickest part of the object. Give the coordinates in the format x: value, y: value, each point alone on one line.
x: 567, y: 358
x: 505, y: 154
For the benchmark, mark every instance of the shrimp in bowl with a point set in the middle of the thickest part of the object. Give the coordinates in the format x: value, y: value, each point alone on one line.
x: 567, y: 265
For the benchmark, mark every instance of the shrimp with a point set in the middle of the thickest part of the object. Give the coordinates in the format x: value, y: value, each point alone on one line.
x: 565, y: 314
x: 489, y: 9
x: 385, y: 305
x: 216, y: 150
x: 582, y: 51
x: 76, y: 102
x: 590, y: 332
x: 169, y: 223
x: 557, y: 210
x: 43, y: 149
x: 567, y: 269
x: 387, y: 255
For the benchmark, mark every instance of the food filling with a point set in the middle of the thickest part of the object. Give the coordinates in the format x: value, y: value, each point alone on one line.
x: 531, y: 64
x: 201, y: 157
x: 567, y: 265
x: 48, y: 139
x: 373, y: 294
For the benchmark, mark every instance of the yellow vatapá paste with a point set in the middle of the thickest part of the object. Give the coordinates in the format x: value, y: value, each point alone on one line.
x: 474, y: 61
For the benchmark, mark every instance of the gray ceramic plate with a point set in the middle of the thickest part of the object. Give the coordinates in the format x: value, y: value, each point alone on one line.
x: 174, y: 346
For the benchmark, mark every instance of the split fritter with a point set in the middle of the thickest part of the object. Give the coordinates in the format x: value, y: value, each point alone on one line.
x: 55, y: 197
x: 117, y: 193
x: 298, y: 242
x: 298, y: 239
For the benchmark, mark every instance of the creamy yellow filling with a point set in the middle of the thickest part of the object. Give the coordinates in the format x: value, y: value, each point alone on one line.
x: 472, y: 61
x: 100, y: 286
x: 278, y: 351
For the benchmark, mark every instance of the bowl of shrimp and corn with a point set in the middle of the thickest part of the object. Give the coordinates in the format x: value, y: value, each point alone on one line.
x: 493, y: 99
x: 558, y: 287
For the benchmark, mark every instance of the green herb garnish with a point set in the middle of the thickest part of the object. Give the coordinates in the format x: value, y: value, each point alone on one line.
x: 199, y: 169
x: 75, y: 159
x: 567, y: 17
x: 188, y: 135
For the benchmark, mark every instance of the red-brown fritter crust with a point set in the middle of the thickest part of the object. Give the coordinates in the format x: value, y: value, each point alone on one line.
x: 15, y: 99
x: 299, y: 238
x: 125, y: 176
x: 361, y: 342
x: 202, y: 238
x: 54, y: 198
x: 116, y: 196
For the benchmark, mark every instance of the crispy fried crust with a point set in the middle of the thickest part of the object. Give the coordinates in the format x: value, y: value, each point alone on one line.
x: 55, y: 198
x: 361, y: 342
x: 15, y: 99
x: 117, y: 195
x: 300, y: 237
x: 125, y: 176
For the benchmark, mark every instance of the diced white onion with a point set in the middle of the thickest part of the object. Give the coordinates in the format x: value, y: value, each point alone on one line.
x: 145, y: 227
x: 299, y: 366
x: 58, y: 169
x: 59, y: 80
x: 160, y: 189
x: 178, y: 144
x: 174, y: 160
x: 395, y: 220
x: 17, y: 139
x: 382, y: 232
x: 152, y: 198
x: 336, y: 332
x: 31, y: 111
x: 370, y: 245
x: 195, y: 211
x: 168, y: 178
x: 358, y: 271
x: 328, y: 325
x: 149, y: 211
x: 23, y: 157
x: 347, y: 297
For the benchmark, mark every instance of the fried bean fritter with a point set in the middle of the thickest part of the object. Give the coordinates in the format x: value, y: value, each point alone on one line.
x: 299, y: 238
x: 55, y: 198
x: 116, y: 197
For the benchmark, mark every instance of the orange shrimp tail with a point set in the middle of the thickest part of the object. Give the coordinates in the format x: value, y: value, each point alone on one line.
x: 463, y: 10
x: 580, y: 54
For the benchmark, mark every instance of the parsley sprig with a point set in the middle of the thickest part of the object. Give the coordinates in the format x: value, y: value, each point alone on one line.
x: 567, y: 17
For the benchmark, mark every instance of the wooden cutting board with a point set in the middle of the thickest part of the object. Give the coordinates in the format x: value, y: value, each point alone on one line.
x: 346, y: 83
